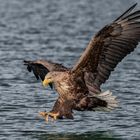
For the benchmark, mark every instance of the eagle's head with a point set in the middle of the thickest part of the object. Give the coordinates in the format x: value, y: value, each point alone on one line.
x: 52, y: 77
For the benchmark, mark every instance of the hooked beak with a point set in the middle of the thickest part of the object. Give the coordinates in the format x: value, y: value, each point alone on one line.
x: 46, y: 82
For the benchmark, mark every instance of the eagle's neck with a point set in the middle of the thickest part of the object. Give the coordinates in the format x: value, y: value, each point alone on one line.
x: 63, y: 86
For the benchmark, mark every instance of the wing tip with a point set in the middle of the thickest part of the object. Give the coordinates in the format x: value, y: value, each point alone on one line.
x: 26, y: 62
x: 127, y: 11
x: 135, y: 4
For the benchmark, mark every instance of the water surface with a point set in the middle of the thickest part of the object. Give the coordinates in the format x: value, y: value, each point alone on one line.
x: 59, y: 31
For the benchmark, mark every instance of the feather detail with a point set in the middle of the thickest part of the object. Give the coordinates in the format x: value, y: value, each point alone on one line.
x: 112, y: 103
x: 109, y: 46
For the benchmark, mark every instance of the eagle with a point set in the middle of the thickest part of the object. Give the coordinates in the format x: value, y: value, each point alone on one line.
x: 78, y: 87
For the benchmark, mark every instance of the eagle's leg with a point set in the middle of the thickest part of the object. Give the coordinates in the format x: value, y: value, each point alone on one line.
x: 61, y: 109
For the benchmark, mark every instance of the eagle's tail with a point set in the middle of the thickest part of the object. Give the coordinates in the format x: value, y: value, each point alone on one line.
x: 110, y: 100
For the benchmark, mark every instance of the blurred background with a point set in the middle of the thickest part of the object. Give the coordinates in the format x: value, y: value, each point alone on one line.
x: 59, y: 30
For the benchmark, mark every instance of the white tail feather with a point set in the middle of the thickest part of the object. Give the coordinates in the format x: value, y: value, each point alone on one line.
x: 112, y: 103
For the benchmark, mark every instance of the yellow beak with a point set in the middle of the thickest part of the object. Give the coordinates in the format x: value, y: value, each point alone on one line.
x: 46, y: 82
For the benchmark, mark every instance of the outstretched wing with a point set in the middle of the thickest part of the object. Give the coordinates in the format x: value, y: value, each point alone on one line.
x: 109, y: 46
x: 41, y: 67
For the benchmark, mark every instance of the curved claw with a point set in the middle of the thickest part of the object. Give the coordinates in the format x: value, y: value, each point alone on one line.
x: 46, y: 115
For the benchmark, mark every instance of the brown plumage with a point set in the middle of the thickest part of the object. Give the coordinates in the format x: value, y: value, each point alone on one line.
x: 79, y: 87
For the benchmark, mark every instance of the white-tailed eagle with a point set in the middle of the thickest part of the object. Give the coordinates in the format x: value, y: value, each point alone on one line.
x: 79, y: 87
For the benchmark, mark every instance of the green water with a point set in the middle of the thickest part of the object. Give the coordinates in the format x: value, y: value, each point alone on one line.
x: 98, y: 135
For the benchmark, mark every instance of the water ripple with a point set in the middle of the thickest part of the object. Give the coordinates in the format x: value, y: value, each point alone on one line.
x: 58, y: 31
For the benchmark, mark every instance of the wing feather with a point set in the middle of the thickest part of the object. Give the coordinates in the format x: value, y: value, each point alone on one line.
x: 126, y: 12
x: 41, y: 67
x: 109, y: 46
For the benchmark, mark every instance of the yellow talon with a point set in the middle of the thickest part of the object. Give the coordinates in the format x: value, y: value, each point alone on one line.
x: 53, y: 115
x: 46, y: 115
x: 43, y: 114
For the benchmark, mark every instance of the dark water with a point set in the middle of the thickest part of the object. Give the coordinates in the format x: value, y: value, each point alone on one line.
x: 59, y: 30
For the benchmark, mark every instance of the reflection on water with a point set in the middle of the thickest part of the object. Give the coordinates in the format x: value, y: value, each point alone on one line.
x: 98, y: 135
